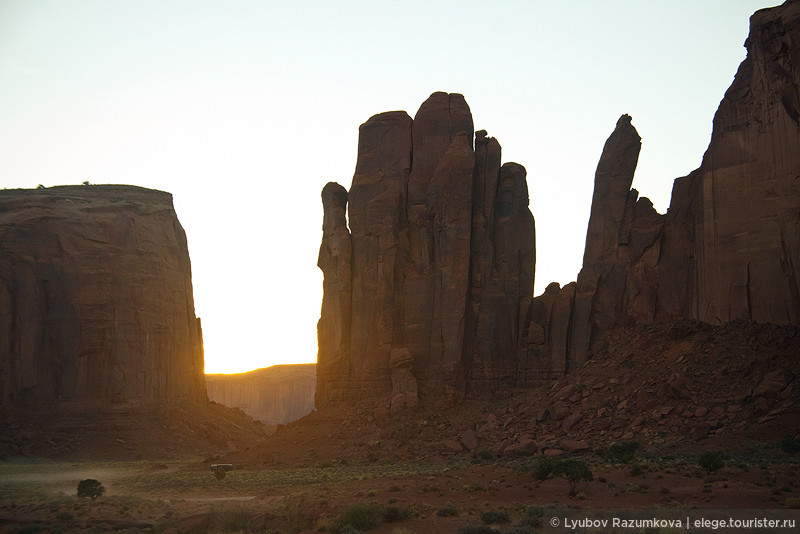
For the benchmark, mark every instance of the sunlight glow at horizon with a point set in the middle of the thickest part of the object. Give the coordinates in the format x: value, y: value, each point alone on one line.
x: 244, y: 109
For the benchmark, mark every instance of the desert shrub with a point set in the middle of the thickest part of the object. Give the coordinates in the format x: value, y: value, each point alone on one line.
x: 486, y: 455
x: 636, y: 469
x: 223, y: 519
x: 477, y: 529
x: 360, y: 516
x: 90, y: 488
x: 793, y: 503
x: 790, y: 445
x: 623, y: 452
x: 711, y: 461
x: 533, y: 517
x: 493, y: 517
x: 574, y: 471
x: 543, y: 467
x: 219, y: 474
x: 448, y: 510
x: 394, y: 514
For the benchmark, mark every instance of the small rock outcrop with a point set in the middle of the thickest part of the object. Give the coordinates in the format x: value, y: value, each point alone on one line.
x: 440, y: 245
x: 274, y: 395
x: 96, y: 303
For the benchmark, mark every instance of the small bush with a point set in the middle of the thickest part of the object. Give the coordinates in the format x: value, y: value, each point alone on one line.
x: 790, y: 445
x: 574, y: 471
x: 494, y: 517
x: 395, y: 514
x: 223, y: 519
x: 711, y: 461
x: 636, y: 469
x: 448, y: 510
x: 360, y: 516
x: 623, y: 452
x: 532, y: 518
x: 543, y: 467
x: 90, y: 488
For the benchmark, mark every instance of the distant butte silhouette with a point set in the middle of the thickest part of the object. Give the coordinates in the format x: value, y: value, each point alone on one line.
x: 428, y: 293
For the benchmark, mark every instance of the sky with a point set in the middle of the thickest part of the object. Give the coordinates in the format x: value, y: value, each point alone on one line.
x: 244, y: 109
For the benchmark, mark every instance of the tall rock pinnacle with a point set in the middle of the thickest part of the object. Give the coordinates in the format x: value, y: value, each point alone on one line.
x: 444, y: 243
x: 416, y: 238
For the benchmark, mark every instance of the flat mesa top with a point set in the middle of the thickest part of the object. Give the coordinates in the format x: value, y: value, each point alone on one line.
x: 63, y: 197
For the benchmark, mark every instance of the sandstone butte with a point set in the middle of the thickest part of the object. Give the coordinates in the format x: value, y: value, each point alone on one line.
x: 428, y: 291
x: 273, y: 395
x: 96, y: 303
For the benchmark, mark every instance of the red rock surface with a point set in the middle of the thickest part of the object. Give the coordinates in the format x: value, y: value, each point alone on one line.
x: 273, y: 395
x: 96, y: 305
x: 425, y: 268
x: 444, y: 244
x: 728, y: 247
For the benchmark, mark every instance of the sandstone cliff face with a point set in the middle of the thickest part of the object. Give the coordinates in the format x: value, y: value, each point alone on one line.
x: 728, y: 246
x: 96, y: 304
x: 441, y: 244
x: 273, y: 395
x: 747, y: 190
x: 444, y: 244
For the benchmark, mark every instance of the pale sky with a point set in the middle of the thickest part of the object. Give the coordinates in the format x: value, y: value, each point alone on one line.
x: 243, y: 110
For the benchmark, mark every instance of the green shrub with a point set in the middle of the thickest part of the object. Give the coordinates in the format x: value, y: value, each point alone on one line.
x: 224, y: 519
x: 636, y: 469
x: 448, y: 510
x: 711, y: 461
x: 574, y: 471
x: 533, y: 517
x: 543, y: 467
x: 90, y: 488
x: 790, y: 445
x: 394, y: 514
x: 793, y: 503
x: 623, y: 452
x: 493, y: 517
x: 360, y: 516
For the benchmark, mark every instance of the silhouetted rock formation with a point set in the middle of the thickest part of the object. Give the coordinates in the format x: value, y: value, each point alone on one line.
x: 745, y: 198
x: 96, y: 304
x: 443, y: 244
x: 729, y: 246
x: 425, y: 265
x: 273, y: 395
